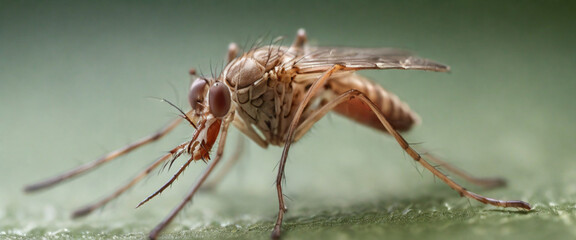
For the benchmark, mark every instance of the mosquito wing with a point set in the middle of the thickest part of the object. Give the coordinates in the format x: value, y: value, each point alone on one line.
x: 320, y: 59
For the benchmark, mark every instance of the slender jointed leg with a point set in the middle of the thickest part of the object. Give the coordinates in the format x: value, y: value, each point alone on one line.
x: 291, y: 130
x: 221, y: 142
x: 416, y: 156
x: 174, y: 153
x: 106, y: 158
x: 482, y: 182
x: 201, y: 128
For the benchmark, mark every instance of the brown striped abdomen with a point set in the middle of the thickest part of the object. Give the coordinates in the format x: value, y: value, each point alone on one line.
x: 396, y: 112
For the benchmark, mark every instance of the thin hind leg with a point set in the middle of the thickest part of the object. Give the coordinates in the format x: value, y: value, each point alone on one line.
x: 417, y: 157
x: 314, y: 88
x: 482, y: 182
x: 322, y: 111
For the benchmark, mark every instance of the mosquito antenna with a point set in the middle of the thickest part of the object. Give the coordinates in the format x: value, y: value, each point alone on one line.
x: 182, y: 112
x: 174, y: 90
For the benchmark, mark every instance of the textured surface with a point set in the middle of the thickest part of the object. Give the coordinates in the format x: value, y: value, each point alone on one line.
x: 75, y: 82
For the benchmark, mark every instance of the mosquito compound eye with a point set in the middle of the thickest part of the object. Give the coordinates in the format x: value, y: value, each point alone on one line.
x: 196, y: 93
x: 219, y: 99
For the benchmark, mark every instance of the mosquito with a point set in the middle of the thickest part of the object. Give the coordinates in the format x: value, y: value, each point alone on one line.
x: 274, y: 94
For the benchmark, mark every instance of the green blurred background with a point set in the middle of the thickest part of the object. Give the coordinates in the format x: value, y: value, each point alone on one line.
x: 76, y: 77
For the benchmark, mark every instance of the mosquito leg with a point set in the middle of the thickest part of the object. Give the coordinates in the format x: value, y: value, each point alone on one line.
x: 249, y: 131
x: 106, y: 158
x: 221, y: 143
x: 188, y: 145
x: 482, y: 182
x: 232, y: 52
x: 289, y: 139
x: 417, y: 157
x: 174, y: 153
x: 210, y: 185
x: 322, y: 111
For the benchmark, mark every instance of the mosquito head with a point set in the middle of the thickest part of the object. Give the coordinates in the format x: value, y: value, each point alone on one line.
x: 210, y: 101
x: 213, y: 95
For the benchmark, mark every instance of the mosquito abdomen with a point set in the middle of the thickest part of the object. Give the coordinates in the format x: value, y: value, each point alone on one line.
x: 400, y: 116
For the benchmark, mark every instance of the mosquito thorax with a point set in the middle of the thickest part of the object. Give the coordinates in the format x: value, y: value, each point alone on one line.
x: 250, y: 67
x: 243, y: 72
x: 196, y: 94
